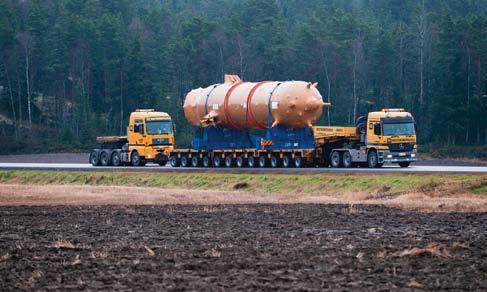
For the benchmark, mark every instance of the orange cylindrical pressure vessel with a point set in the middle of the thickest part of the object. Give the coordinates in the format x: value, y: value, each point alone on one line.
x: 254, y: 105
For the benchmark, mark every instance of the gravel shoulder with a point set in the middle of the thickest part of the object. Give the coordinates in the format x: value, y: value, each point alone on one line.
x: 78, y: 195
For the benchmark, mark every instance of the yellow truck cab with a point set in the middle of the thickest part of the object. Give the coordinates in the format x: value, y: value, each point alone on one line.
x: 391, y: 134
x: 150, y: 138
x: 386, y: 136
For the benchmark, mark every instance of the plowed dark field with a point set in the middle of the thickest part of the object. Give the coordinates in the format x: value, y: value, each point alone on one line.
x: 268, y: 247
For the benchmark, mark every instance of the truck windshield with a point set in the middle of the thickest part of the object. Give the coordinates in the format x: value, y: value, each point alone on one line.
x: 159, y: 127
x: 398, y: 129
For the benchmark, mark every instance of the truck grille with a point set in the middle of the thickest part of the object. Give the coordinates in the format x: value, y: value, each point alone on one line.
x: 160, y: 141
x: 401, y: 147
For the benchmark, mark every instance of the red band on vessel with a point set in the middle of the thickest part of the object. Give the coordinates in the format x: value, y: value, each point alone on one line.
x: 229, y: 120
x: 250, y: 114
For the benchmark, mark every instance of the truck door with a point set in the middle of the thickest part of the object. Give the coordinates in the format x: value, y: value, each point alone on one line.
x: 138, y: 132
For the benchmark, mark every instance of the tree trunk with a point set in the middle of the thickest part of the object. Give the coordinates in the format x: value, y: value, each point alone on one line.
x: 12, y: 103
x: 328, y: 92
x: 121, y: 99
x: 19, y: 98
x: 27, y: 80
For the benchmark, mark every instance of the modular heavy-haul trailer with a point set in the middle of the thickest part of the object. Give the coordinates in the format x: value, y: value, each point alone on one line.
x: 283, y: 112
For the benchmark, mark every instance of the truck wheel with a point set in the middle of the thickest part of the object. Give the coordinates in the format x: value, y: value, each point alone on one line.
x: 275, y: 161
x: 287, y: 161
x: 262, y: 161
x: 372, y: 159
x: 94, y: 159
x: 174, y: 161
x: 404, y: 164
x: 162, y: 163
x: 298, y: 162
x: 240, y: 161
x: 116, y: 161
x: 195, y: 161
x: 136, y: 160
x: 335, y: 159
x: 217, y: 161
x: 184, y: 161
x: 105, y: 158
x: 229, y: 161
x: 251, y: 161
x: 206, y: 161
x: 347, y: 159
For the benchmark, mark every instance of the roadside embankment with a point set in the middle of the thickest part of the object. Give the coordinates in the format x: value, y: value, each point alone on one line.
x: 428, y: 192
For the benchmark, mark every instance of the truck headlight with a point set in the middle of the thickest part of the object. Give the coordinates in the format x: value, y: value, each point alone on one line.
x: 389, y: 156
x: 413, y: 155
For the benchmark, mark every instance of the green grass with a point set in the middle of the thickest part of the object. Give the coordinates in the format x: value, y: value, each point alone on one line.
x: 480, y: 189
x: 336, y: 184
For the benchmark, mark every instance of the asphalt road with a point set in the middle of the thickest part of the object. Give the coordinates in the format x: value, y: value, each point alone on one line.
x: 155, y: 168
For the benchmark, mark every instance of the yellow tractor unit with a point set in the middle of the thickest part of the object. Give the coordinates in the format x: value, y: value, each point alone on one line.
x: 386, y: 136
x: 150, y: 138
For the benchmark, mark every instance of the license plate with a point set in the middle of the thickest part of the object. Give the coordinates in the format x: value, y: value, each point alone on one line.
x: 402, y: 154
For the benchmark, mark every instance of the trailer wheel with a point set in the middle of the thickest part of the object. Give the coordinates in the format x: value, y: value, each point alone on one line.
x: 335, y: 159
x: 347, y: 159
x: 195, y: 161
x: 105, y: 158
x: 94, y: 159
x: 136, y: 160
x: 229, y: 161
x: 298, y: 162
x: 262, y: 161
x: 206, y: 161
x: 251, y: 161
x: 275, y: 161
x: 174, y: 161
x: 404, y: 164
x: 217, y: 161
x: 184, y: 161
x: 116, y: 161
x: 372, y: 159
x: 240, y: 161
x: 286, y: 161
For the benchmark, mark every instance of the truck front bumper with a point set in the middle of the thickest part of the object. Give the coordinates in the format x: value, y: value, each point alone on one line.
x: 396, y: 157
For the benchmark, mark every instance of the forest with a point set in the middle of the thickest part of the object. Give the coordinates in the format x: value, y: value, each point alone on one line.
x: 74, y: 69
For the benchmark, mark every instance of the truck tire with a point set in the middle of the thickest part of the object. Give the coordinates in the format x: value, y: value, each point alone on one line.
x: 287, y: 161
x: 335, y: 159
x: 206, y: 161
x: 116, y: 161
x: 347, y: 159
x: 298, y: 162
x: 404, y: 164
x: 217, y: 161
x: 229, y: 161
x: 184, y: 161
x: 105, y: 158
x: 94, y: 158
x: 240, y: 161
x: 136, y: 160
x: 262, y: 161
x: 195, y: 161
x: 251, y: 162
x: 373, y: 159
x: 174, y: 161
x: 275, y: 162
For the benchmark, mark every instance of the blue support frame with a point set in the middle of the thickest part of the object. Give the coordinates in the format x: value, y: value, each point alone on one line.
x: 223, y: 138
